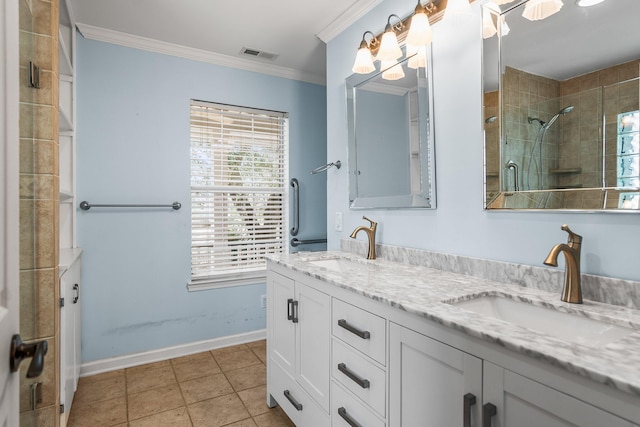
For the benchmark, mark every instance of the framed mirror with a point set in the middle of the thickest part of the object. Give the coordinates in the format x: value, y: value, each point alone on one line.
x: 561, y: 106
x: 390, y: 139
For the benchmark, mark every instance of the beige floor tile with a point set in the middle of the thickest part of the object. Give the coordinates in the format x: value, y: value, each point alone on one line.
x: 274, y: 418
x: 261, y: 352
x: 231, y: 349
x: 178, y: 417
x: 255, y: 400
x: 154, y: 401
x: 186, y: 370
x: 206, y: 355
x: 205, y: 388
x: 259, y: 343
x: 147, y: 379
x: 95, y: 391
x: 219, y: 411
x: 100, y: 377
x: 153, y: 365
x: 249, y: 377
x: 236, y: 360
x: 244, y: 423
x: 105, y: 413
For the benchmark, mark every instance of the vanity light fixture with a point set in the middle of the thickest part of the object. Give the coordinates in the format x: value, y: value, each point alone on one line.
x: 420, y: 33
x: 391, y: 70
x: 536, y: 10
x: 419, y: 59
x: 364, y: 57
x: 489, y: 28
x: 389, y: 47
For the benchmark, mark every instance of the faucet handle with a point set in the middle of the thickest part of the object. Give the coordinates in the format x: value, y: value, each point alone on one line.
x: 373, y: 223
x: 574, y: 239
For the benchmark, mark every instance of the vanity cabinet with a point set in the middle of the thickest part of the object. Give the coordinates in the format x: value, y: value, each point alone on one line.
x: 428, y: 382
x: 522, y: 402
x: 299, y: 333
x: 347, y: 360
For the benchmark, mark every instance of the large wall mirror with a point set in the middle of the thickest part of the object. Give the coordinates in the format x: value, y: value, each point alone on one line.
x: 391, y: 144
x: 561, y: 106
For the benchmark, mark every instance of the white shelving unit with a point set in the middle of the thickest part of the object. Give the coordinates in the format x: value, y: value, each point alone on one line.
x: 70, y: 255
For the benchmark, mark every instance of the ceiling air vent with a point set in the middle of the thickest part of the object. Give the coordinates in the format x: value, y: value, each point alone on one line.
x: 258, y: 53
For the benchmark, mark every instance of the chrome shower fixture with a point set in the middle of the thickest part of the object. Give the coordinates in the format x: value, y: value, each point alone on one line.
x: 562, y: 112
x: 535, y: 119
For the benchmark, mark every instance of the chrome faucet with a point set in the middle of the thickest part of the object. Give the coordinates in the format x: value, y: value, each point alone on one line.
x: 371, y: 235
x: 571, y: 292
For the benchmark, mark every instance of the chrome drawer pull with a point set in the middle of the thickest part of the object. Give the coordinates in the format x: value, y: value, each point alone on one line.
x: 293, y: 401
x: 365, y: 335
x: 355, y: 378
x: 343, y: 413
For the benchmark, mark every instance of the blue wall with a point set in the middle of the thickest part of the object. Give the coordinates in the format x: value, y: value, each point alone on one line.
x: 459, y: 225
x: 133, y: 147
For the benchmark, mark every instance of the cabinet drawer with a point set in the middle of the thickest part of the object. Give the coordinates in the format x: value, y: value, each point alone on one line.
x: 345, y: 405
x: 295, y: 402
x: 359, y: 375
x: 360, y: 329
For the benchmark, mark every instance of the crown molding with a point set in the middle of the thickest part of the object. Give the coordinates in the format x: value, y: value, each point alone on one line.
x: 348, y: 17
x: 158, y: 46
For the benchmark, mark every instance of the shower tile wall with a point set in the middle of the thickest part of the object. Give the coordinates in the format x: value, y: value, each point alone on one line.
x: 492, y: 143
x: 39, y: 184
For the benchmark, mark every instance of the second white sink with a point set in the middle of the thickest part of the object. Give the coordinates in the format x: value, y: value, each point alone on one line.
x: 335, y: 264
x: 566, y: 326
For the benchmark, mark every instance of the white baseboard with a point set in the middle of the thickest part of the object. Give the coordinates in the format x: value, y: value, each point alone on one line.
x: 115, y: 363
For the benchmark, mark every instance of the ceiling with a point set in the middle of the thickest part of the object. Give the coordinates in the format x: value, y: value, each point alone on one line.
x: 291, y: 29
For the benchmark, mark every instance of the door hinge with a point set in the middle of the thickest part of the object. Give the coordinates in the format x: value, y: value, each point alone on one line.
x: 61, y: 302
x: 62, y: 408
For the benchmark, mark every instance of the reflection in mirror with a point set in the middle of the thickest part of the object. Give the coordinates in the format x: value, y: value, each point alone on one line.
x: 390, y: 143
x: 561, y: 108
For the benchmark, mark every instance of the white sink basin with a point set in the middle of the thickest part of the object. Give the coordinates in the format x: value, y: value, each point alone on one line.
x: 334, y: 264
x: 566, y: 326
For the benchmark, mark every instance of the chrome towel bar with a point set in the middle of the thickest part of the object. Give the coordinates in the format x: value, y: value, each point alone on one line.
x: 85, y: 206
x: 296, y: 206
x: 295, y: 242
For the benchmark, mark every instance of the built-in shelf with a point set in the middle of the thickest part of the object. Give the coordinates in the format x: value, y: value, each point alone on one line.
x: 66, y: 196
x: 565, y: 171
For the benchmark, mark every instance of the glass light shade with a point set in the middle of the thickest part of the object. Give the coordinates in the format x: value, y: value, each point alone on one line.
x: 504, y: 28
x: 420, y: 32
x: 389, y: 48
x: 488, y: 27
x: 500, y: 2
x: 587, y: 3
x: 535, y: 10
x: 419, y: 59
x: 364, y: 62
x: 457, y: 7
x: 391, y: 71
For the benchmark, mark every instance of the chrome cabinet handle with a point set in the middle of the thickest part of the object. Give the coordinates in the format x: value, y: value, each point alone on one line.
x: 293, y: 401
x: 365, y: 335
x: 488, y: 411
x: 343, y: 413
x: 468, y: 401
x: 76, y: 289
x: 355, y: 378
x: 20, y: 351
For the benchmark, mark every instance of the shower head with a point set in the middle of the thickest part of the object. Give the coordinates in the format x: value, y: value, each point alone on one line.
x: 535, y: 119
x: 491, y: 119
x: 562, y: 112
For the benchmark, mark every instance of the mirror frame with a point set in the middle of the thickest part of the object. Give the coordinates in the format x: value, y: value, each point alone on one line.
x: 533, y: 196
x: 427, y: 198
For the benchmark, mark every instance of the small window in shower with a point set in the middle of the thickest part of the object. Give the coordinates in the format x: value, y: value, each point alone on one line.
x: 628, y: 159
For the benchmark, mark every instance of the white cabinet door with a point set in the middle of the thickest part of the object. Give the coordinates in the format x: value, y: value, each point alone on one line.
x: 428, y: 381
x: 314, y: 342
x: 282, y: 344
x: 522, y: 402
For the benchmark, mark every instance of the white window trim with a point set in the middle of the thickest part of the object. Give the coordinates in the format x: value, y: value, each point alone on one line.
x: 250, y: 276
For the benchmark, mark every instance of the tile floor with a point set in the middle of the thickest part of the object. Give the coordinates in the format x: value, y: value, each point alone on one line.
x: 224, y: 387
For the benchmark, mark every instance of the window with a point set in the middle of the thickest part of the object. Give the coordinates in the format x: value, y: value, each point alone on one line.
x: 628, y: 170
x: 238, y: 176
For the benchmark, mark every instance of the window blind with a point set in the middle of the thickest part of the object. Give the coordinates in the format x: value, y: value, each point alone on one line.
x: 238, y: 176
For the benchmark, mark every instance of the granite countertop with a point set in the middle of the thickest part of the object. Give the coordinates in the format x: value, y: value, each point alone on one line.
x: 428, y: 292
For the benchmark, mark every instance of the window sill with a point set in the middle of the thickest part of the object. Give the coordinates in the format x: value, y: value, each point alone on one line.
x: 228, y: 281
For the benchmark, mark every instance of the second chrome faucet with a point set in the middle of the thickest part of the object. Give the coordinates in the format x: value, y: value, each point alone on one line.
x: 371, y: 236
